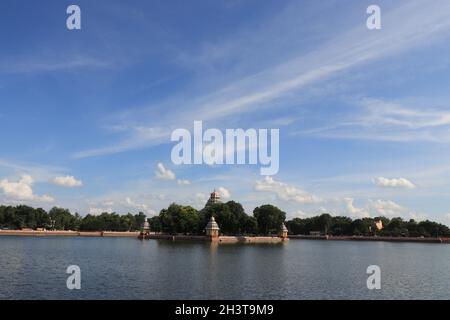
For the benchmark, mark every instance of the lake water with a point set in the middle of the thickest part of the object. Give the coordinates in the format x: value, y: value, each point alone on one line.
x: 127, y: 268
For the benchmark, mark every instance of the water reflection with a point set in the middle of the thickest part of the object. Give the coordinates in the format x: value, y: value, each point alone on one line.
x: 34, y: 268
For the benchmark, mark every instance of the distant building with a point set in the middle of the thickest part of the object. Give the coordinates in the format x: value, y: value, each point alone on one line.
x: 213, y: 199
x: 314, y: 233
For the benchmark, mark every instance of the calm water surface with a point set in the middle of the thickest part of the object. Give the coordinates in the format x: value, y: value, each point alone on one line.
x: 126, y: 268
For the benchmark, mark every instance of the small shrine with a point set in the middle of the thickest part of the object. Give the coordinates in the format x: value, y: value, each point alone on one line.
x: 212, y: 228
x: 283, y: 232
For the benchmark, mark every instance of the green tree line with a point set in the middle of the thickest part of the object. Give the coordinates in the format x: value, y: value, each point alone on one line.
x: 345, y: 226
x: 21, y: 216
x: 231, y: 217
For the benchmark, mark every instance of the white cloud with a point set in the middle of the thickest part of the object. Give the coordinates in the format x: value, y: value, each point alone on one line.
x: 97, y: 211
x: 182, y: 182
x: 446, y: 219
x: 285, y: 192
x: 163, y: 173
x: 45, y: 198
x: 381, y: 120
x: 379, y: 207
x: 354, y: 211
x: 108, y: 203
x: 201, y: 196
x: 200, y: 199
x: 22, y: 190
x: 137, y: 137
x: 39, y: 172
x: 120, y: 203
x: 224, y: 193
x: 386, y: 208
x: 301, y: 214
x: 394, y: 114
x: 140, y: 206
x: 63, y: 63
x: 392, y: 209
x: 67, y: 181
x: 161, y: 196
x: 394, y: 183
x: 166, y: 174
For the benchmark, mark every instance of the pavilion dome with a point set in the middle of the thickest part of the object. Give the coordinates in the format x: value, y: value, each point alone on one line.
x: 212, y: 224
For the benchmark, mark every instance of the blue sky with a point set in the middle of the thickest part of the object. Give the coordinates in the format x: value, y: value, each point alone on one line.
x: 364, y: 115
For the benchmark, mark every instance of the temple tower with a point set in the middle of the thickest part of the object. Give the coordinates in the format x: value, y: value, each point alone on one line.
x: 213, y: 199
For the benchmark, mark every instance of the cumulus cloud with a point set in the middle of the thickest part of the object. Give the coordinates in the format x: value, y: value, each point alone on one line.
x: 224, y: 193
x: 379, y: 207
x: 67, y: 181
x: 355, y: 211
x: 140, y: 206
x: 166, y: 174
x: 163, y: 173
x: 120, y: 203
x: 301, y: 214
x: 386, y: 208
x: 200, y: 199
x: 394, y: 183
x: 22, y: 190
x: 285, y: 192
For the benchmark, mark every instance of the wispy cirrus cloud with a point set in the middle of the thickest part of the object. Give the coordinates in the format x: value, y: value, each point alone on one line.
x: 135, y: 138
x: 420, y: 24
x: 381, y: 120
x: 20, y: 65
x: 39, y: 172
x: 183, y: 182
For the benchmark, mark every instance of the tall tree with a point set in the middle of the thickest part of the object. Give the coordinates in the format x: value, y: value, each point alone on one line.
x: 269, y: 218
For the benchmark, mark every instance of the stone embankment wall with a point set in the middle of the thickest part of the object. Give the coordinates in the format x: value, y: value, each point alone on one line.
x: 237, y: 239
x: 34, y: 233
x: 221, y: 239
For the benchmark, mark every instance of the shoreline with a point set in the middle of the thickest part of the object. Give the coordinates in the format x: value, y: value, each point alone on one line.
x: 366, y: 238
x: 48, y: 233
x: 220, y: 239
